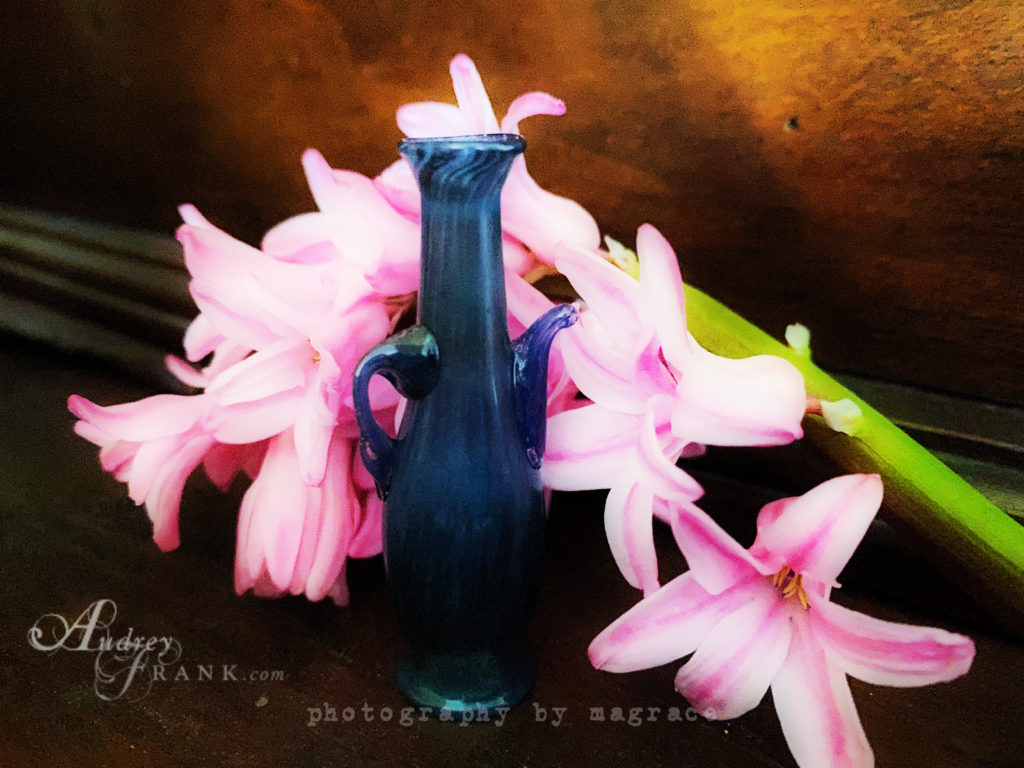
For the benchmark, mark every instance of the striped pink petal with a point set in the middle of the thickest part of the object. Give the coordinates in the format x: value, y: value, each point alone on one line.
x: 472, y: 96
x: 368, y: 538
x: 734, y: 665
x: 587, y: 448
x: 715, y: 558
x: 292, y: 238
x: 817, y: 533
x: 756, y: 401
x: 612, y: 295
x: 424, y: 119
x: 338, y: 507
x: 628, y: 523
x: 599, y: 371
x: 664, y: 626
x: 314, y: 426
x: 147, y: 419
x: 543, y: 220
x: 886, y: 653
x: 163, y: 501
x: 254, y: 421
x: 663, y: 286
x: 815, y: 708
x: 659, y: 472
x: 529, y: 105
x: 281, y: 514
x: 398, y: 186
x: 320, y: 177
x: 184, y: 372
x: 281, y: 366
x: 151, y: 456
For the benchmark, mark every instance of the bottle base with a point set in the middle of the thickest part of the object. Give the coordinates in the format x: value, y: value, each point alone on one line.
x: 477, y: 682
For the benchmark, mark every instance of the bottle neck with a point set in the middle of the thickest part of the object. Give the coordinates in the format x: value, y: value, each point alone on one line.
x: 462, y: 284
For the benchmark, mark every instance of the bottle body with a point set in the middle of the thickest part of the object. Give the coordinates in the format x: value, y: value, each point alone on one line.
x: 464, y: 511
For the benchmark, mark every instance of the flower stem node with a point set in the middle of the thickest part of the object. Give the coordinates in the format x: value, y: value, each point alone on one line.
x: 842, y: 415
x: 799, y: 339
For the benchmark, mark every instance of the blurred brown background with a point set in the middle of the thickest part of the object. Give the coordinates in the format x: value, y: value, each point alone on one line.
x: 857, y: 167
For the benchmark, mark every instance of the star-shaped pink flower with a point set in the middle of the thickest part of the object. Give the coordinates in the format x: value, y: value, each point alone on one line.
x: 762, y: 617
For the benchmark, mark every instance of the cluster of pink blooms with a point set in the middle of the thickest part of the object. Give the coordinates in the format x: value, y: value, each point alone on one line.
x: 281, y: 328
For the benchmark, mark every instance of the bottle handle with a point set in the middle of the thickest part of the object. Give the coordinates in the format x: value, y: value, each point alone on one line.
x: 411, y: 362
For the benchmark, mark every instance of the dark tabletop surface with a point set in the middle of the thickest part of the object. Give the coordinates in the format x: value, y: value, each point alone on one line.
x: 69, y: 537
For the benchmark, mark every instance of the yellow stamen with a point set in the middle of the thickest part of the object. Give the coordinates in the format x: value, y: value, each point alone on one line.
x: 791, y: 584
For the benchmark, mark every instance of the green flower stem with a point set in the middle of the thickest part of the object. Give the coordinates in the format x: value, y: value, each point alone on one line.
x: 981, y: 546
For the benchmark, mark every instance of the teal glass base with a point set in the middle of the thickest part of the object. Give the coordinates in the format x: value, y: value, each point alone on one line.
x: 456, y: 683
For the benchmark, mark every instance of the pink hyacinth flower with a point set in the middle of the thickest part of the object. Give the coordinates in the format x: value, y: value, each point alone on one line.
x: 309, y: 321
x: 657, y: 396
x: 532, y: 216
x: 762, y: 617
x: 293, y: 538
x: 153, y: 445
x: 356, y: 219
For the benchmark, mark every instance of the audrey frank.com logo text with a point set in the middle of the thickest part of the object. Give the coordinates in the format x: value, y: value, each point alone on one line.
x: 129, y: 662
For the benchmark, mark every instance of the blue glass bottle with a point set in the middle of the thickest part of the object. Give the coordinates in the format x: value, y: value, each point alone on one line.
x: 464, y: 514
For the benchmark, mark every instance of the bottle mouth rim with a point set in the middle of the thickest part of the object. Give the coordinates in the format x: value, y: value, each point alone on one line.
x: 510, y: 141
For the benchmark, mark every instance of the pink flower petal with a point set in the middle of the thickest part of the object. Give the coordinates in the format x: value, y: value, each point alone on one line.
x: 368, y: 538
x: 94, y: 434
x: 309, y: 542
x: 663, y: 285
x: 597, y: 369
x: 282, y: 366
x: 664, y: 626
x: 339, y: 593
x: 815, y: 708
x: 528, y: 105
x: 339, y: 507
x: 150, y: 458
x: 248, y: 296
x: 115, y: 456
x: 734, y: 665
x: 398, y: 186
x: 541, y: 219
x: 424, y: 119
x: 610, y: 293
x: 293, y: 239
x: 817, y: 533
x: 184, y: 372
x: 472, y: 96
x: 715, y: 558
x: 281, y: 514
x: 755, y: 401
x: 658, y: 472
x: 320, y: 178
x: 314, y: 426
x: 628, y: 523
x: 516, y: 257
x: 886, y: 653
x: 164, y: 499
x: 525, y: 302
x: 147, y: 419
x: 587, y: 448
x: 254, y: 421
x: 191, y: 215
x: 222, y: 463
x: 201, y: 338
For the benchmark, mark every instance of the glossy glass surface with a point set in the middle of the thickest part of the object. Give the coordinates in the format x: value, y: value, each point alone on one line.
x: 464, y: 515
